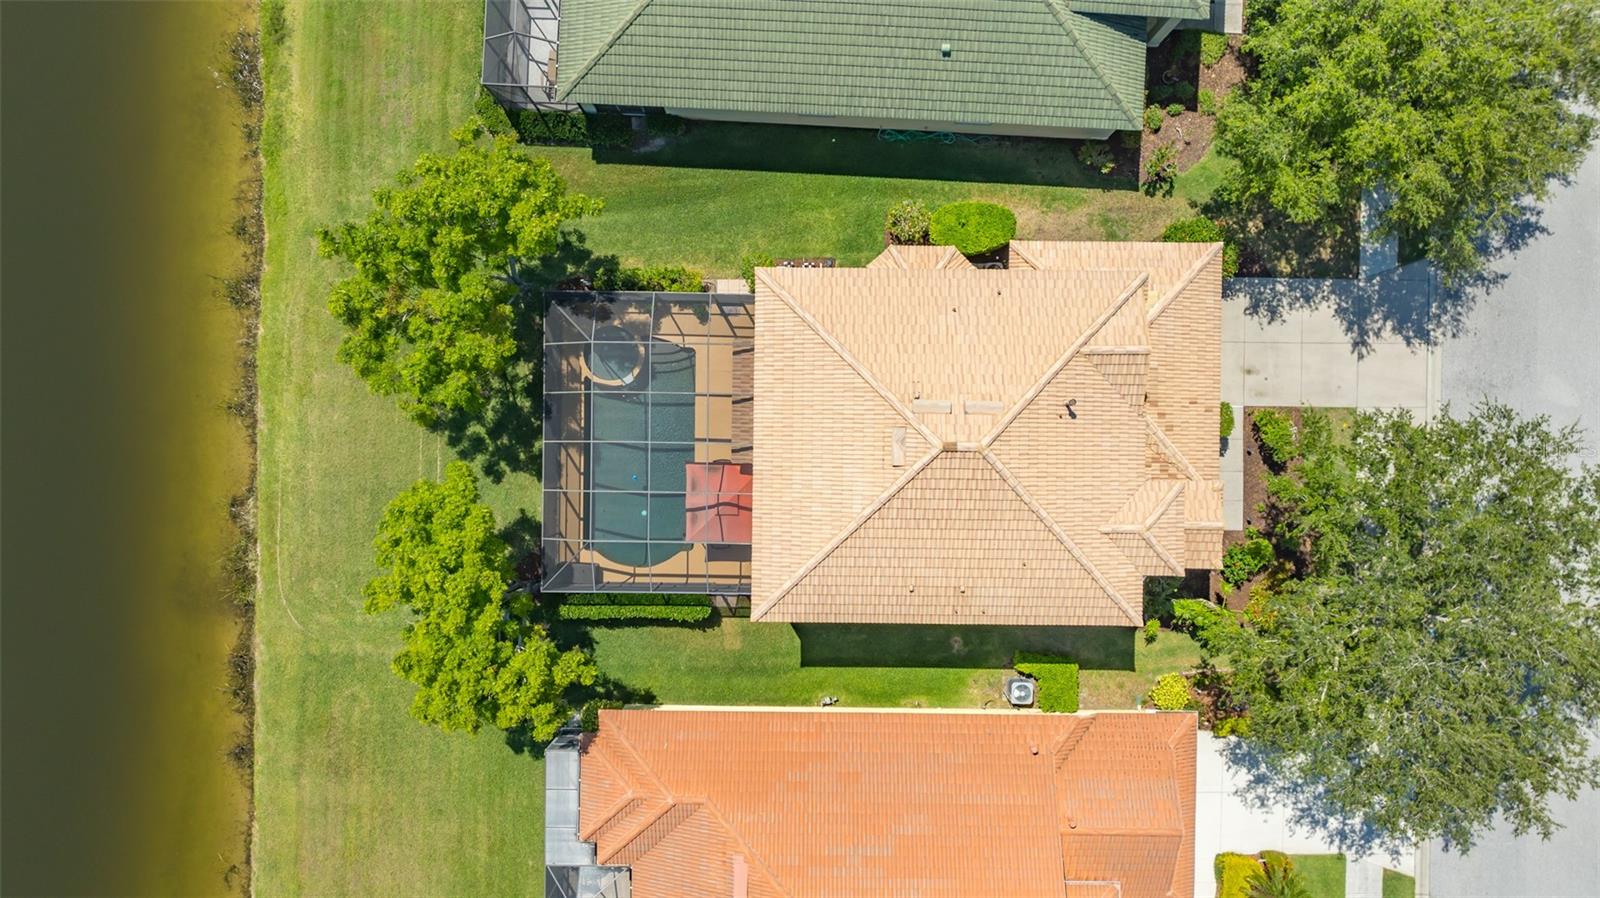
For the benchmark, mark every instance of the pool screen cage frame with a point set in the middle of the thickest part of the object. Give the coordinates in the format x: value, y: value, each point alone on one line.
x: 666, y: 379
x: 520, y: 43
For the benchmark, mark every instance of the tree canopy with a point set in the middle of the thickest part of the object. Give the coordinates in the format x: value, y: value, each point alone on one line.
x: 1434, y: 664
x: 1459, y: 109
x: 438, y: 262
x: 470, y: 648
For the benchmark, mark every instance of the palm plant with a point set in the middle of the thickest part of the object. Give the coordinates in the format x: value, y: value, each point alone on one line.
x: 1276, y: 881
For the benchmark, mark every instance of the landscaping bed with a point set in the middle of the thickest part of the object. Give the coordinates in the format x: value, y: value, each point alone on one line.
x: 1177, y: 79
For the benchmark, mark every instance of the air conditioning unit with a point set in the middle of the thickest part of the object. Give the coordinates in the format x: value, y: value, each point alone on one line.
x: 1020, y: 692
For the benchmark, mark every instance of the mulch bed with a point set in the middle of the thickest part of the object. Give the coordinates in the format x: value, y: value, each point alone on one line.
x: 1189, y: 133
x: 1255, y: 498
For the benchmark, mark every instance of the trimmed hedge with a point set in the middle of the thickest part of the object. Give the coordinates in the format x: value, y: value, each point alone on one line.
x: 492, y: 114
x: 1233, y: 874
x: 1057, y: 678
x: 574, y: 129
x: 635, y: 606
x: 972, y: 228
x: 1226, y: 422
x: 668, y: 278
x: 676, y: 613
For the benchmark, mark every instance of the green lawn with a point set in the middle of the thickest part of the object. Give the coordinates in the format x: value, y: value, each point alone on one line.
x: 1323, y: 873
x: 1398, y: 885
x: 352, y: 796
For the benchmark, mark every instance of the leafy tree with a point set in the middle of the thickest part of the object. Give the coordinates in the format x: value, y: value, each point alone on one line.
x: 438, y: 262
x: 1460, y: 109
x: 470, y: 647
x: 1436, y: 664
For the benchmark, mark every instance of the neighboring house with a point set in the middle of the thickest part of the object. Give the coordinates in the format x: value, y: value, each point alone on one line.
x: 917, y: 441
x: 1043, y: 68
x: 752, y: 803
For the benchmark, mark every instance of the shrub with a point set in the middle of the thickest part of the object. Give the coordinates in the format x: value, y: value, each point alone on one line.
x: 1244, y: 560
x: 1212, y: 48
x: 1207, y: 102
x: 1152, y: 629
x: 1233, y: 874
x: 1225, y: 424
x: 1171, y: 693
x: 1161, y: 172
x: 1270, y: 858
x: 666, y: 278
x: 1277, y: 879
x: 907, y: 222
x: 1200, y: 229
x: 1232, y: 726
x: 1174, y: 110
x: 1276, y: 433
x: 589, y: 717
x: 1057, y: 678
x: 1132, y: 139
x: 972, y: 228
x: 1200, y: 618
x: 558, y: 128
x: 492, y: 114
x: 1097, y: 155
x: 749, y: 262
x: 1153, y: 118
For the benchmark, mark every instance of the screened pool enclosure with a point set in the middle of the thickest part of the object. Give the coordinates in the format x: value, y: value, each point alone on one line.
x: 647, y: 428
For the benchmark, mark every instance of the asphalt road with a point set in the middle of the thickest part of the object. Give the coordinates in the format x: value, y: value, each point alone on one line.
x: 1534, y: 343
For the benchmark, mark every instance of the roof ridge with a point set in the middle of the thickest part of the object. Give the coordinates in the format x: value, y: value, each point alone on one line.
x: 1050, y: 373
x: 616, y: 807
x: 759, y: 611
x: 1060, y: 534
x: 1061, y: 12
x: 1171, y: 449
x: 627, y: 839
x: 1183, y: 283
x: 604, y: 48
x: 1015, y: 247
x: 849, y: 359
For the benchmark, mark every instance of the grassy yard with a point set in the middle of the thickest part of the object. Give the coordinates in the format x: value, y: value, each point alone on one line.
x: 352, y: 796
x: 688, y: 213
x: 1323, y: 873
x: 1398, y: 885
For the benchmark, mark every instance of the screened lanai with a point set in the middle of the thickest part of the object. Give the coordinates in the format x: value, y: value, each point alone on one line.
x: 647, y: 428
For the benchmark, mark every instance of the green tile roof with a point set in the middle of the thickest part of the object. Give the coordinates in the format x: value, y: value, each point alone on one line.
x: 1016, y: 62
x: 1161, y: 9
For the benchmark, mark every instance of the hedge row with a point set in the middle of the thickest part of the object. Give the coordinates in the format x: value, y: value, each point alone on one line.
x: 574, y: 128
x: 681, y: 613
x: 972, y: 228
x: 636, y: 598
x: 1057, y: 677
x: 1233, y: 872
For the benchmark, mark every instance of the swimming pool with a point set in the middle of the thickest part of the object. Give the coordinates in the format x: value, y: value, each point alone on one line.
x: 642, y: 437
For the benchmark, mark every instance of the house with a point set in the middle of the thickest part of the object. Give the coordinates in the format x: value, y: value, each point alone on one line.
x: 751, y: 803
x: 1041, y: 68
x: 916, y: 441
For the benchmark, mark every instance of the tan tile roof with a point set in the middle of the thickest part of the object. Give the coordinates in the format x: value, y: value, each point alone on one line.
x: 831, y: 803
x: 916, y: 458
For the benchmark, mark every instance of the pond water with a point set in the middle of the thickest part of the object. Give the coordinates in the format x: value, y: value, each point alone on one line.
x: 122, y: 157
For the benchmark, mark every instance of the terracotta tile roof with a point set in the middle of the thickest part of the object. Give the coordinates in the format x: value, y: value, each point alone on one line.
x: 799, y: 803
x: 941, y: 444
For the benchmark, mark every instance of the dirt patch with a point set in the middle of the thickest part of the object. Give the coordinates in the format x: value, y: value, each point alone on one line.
x: 1189, y: 134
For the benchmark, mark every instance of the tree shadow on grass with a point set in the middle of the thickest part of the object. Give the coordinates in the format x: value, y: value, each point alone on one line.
x: 862, y: 152
x: 919, y: 645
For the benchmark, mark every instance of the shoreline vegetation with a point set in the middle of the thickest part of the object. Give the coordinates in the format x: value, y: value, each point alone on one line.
x: 242, y: 291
